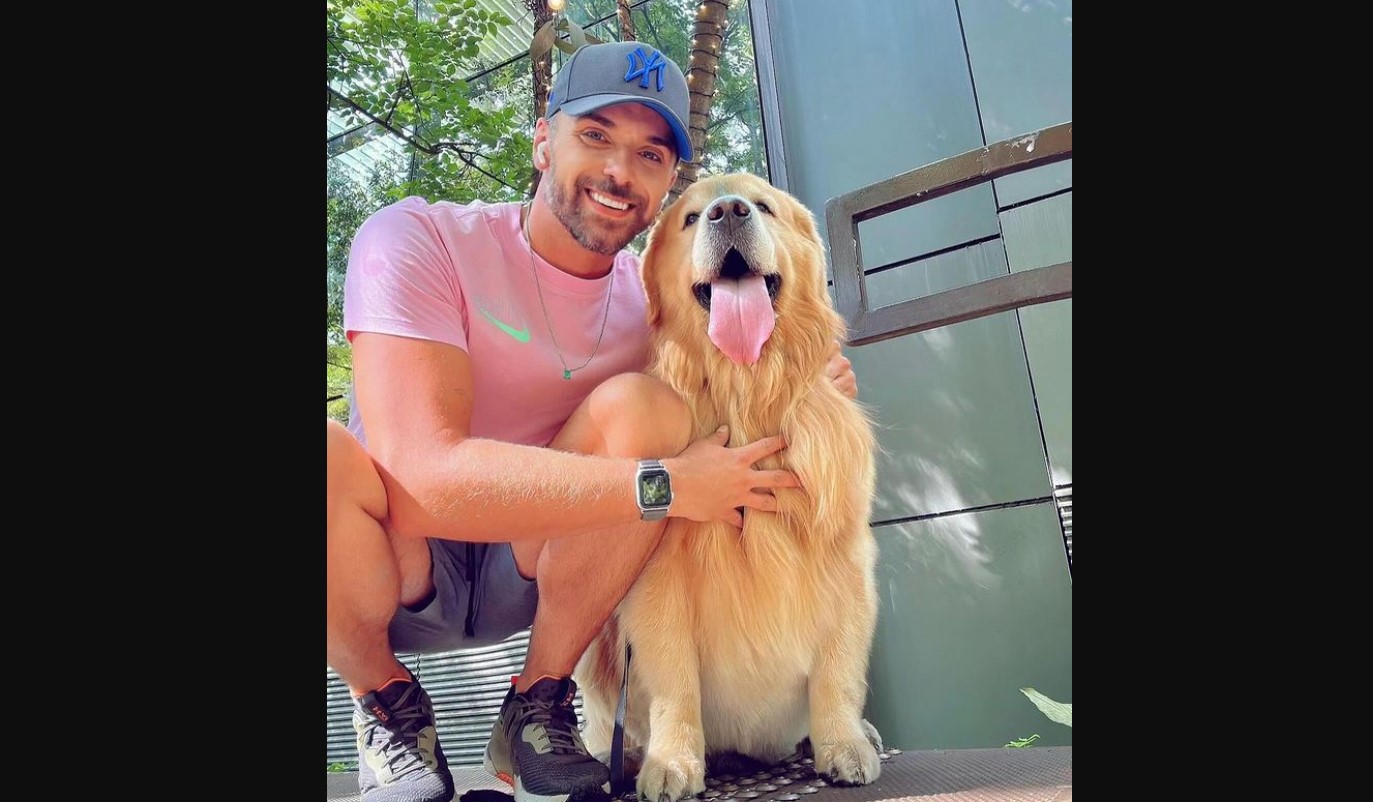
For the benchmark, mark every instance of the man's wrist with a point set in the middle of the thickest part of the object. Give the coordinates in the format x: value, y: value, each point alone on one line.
x: 652, y: 489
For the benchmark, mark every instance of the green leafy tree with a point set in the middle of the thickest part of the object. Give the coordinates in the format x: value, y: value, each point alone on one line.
x: 397, y: 70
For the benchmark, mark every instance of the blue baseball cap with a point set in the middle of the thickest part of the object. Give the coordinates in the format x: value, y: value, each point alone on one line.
x: 602, y: 75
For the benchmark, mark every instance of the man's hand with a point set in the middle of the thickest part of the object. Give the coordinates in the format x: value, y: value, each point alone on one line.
x: 840, y: 371
x: 711, y: 482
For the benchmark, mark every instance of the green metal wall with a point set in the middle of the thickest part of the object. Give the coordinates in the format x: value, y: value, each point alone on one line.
x: 975, y: 419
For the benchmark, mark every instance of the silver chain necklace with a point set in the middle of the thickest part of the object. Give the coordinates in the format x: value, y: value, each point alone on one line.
x: 567, y: 372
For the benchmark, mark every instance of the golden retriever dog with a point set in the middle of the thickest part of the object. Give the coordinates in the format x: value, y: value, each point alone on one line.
x: 749, y: 641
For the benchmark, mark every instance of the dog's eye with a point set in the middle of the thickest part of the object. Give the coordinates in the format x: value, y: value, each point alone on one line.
x: 763, y: 207
x: 691, y: 217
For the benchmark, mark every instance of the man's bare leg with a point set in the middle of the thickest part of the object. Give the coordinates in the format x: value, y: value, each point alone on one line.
x: 582, y: 579
x: 369, y: 572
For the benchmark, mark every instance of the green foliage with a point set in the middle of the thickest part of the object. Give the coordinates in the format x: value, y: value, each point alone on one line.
x: 405, y: 73
x: 338, y: 377
x: 342, y: 767
x: 1056, y: 711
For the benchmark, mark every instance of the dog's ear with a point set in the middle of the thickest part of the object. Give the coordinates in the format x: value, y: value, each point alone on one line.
x: 805, y: 223
x: 655, y: 243
x: 646, y: 264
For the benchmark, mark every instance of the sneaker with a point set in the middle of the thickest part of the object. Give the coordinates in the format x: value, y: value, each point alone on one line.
x: 535, y: 746
x: 399, y: 757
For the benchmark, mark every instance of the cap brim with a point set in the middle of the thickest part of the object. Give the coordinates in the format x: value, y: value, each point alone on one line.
x: 590, y: 103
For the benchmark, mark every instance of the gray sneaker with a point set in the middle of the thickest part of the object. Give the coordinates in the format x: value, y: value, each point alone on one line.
x: 399, y: 757
x: 535, y: 746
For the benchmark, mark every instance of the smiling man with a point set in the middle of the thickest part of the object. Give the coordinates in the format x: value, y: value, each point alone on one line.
x: 507, y: 465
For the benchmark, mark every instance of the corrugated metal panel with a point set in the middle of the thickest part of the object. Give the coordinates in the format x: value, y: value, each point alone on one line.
x: 1063, y: 495
x: 466, y: 687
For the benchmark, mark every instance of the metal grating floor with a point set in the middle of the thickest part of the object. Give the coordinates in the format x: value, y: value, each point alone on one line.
x: 1034, y: 774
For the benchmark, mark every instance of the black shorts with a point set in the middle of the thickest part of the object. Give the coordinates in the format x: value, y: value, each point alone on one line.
x: 500, y: 603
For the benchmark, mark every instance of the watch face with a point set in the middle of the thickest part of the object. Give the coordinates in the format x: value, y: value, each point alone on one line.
x: 654, y: 490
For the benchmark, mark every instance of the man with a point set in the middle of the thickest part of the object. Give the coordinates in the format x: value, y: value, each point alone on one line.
x: 496, y: 350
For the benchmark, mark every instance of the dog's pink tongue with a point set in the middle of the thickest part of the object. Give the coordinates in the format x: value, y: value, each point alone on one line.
x: 741, y: 318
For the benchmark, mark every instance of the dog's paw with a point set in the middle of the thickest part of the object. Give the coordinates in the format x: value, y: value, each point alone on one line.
x: 668, y: 778
x: 850, y: 762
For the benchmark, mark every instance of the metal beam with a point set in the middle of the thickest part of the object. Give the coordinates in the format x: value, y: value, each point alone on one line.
x: 844, y: 213
x: 1024, y: 288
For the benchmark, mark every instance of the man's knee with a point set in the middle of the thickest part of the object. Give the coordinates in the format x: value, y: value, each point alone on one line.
x: 350, y: 475
x: 640, y: 416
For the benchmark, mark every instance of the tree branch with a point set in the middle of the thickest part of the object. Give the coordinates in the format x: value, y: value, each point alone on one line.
x: 431, y: 150
x: 653, y: 30
x: 466, y: 157
x: 410, y: 89
x: 626, y: 21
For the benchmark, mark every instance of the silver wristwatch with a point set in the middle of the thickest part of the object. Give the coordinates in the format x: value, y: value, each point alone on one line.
x: 652, y: 490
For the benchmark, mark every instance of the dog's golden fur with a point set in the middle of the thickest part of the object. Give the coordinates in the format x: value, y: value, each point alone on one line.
x: 750, y: 641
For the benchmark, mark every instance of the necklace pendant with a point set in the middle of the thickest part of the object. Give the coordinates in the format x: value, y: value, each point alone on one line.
x: 567, y: 374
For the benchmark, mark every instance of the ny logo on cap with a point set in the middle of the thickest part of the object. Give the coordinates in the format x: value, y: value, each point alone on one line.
x: 644, y: 66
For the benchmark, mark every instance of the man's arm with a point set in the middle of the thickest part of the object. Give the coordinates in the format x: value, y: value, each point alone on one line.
x: 416, y: 397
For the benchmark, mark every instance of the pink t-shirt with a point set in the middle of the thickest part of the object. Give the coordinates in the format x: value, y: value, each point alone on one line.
x: 462, y: 275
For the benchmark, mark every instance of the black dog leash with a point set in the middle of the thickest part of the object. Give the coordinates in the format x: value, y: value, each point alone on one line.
x: 617, y: 741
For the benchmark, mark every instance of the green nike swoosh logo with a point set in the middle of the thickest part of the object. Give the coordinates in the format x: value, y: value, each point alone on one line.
x: 520, y: 335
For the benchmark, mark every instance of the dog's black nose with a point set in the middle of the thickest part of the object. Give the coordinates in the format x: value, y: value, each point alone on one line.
x: 730, y: 211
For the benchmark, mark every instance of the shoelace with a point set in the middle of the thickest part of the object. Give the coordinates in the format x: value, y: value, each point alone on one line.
x: 406, y: 722
x: 559, y: 722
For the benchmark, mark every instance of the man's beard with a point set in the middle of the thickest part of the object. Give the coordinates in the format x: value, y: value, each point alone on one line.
x: 582, y: 223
